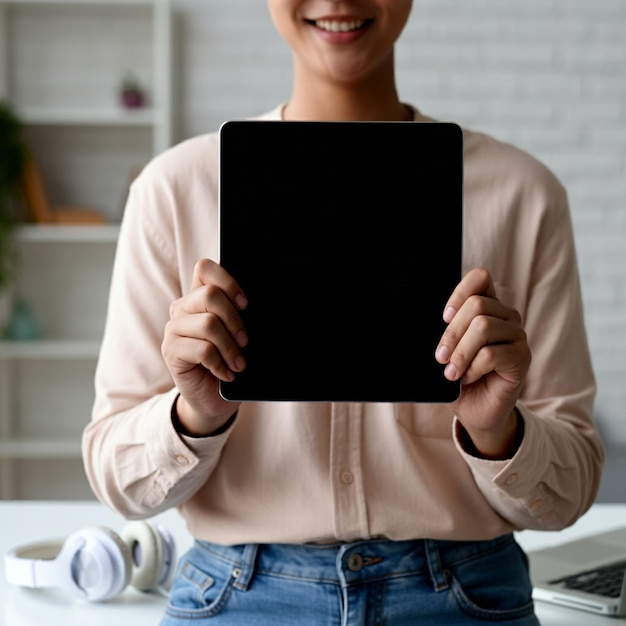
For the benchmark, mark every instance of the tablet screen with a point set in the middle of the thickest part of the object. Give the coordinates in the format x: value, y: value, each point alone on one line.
x: 347, y: 240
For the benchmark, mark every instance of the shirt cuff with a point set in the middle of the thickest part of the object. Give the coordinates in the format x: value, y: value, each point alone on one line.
x: 515, y: 483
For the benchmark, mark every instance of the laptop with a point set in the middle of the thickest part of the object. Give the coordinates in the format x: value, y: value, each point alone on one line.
x: 586, y: 574
x: 347, y: 240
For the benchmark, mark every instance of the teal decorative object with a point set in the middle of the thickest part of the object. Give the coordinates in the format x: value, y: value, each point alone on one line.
x: 22, y: 324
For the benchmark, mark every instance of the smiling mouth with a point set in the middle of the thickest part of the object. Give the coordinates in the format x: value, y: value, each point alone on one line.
x: 340, y: 26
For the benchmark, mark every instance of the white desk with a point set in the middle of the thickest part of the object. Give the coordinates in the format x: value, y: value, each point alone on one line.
x: 27, y: 522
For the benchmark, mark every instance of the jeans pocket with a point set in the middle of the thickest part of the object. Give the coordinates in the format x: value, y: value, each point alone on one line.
x: 493, y: 585
x: 202, y: 586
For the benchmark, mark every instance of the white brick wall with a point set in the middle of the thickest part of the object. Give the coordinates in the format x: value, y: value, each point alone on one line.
x: 547, y: 75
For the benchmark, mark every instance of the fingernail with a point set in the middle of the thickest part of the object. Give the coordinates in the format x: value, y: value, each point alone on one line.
x: 443, y: 354
x: 241, y: 301
x: 241, y: 338
x: 448, y: 314
x: 240, y: 363
x: 450, y: 371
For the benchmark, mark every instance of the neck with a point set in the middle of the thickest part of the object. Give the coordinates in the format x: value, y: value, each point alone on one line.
x: 374, y: 98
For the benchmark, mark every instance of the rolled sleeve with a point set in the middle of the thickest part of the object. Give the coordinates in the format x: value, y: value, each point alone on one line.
x: 154, y: 467
x: 544, y: 486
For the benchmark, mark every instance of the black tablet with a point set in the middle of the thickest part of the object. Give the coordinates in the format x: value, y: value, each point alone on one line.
x: 347, y: 240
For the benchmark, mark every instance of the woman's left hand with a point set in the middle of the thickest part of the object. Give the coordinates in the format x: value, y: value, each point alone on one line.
x: 486, y: 348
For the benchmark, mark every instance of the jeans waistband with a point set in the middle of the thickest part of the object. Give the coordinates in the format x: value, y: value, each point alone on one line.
x: 344, y: 563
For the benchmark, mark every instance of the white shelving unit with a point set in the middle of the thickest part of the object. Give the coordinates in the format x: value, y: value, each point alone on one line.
x: 61, y: 64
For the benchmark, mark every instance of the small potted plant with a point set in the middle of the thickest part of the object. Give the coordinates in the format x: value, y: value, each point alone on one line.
x: 132, y: 94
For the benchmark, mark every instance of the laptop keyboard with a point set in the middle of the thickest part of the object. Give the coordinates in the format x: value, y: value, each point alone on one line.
x: 605, y: 581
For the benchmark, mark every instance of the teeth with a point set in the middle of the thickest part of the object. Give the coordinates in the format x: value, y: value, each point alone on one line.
x: 335, y: 26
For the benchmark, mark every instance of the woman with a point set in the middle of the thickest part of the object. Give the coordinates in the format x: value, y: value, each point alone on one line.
x: 348, y: 513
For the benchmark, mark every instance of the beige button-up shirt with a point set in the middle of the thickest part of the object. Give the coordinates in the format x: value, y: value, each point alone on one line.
x: 299, y: 472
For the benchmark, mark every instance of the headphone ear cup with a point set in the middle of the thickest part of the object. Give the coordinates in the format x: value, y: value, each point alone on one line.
x: 146, y: 548
x: 169, y: 557
x: 102, y: 566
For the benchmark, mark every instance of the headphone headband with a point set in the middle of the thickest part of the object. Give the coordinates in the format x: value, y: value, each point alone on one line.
x: 28, y: 565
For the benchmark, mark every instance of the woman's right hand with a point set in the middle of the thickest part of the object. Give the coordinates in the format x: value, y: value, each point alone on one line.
x: 201, y: 346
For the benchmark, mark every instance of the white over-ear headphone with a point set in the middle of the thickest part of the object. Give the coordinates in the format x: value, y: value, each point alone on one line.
x: 96, y: 563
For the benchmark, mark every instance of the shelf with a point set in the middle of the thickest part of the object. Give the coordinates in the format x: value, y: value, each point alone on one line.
x: 40, y: 449
x: 62, y: 71
x: 62, y: 233
x: 77, y: 3
x: 49, y: 349
x: 68, y: 115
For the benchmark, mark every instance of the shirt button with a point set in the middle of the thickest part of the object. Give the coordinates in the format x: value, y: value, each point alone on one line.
x: 511, y: 479
x: 347, y: 478
x: 182, y: 460
x: 355, y: 562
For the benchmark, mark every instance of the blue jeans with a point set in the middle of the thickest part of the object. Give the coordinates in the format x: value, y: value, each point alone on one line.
x: 423, y: 582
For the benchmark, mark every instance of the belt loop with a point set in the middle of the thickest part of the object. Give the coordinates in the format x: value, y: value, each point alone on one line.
x: 437, y: 573
x: 244, y: 573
